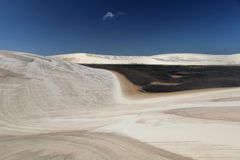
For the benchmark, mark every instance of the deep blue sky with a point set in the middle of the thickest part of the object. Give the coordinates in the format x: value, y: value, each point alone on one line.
x: 134, y: 27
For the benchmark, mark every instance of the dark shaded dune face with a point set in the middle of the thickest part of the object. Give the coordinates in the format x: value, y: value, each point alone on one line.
x: 164, y: 78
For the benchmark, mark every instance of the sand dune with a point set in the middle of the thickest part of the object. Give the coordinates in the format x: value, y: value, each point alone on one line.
x: 212, y: 113
x: 81, y: 146
x: 52, y: 109
x: 163, y: 59
x: 35, y: 89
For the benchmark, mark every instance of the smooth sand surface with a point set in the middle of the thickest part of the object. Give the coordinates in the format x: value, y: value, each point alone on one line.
x: 201, y: 124
x: 79, y: 146
x: 212, y: 113
x: 55, y: 110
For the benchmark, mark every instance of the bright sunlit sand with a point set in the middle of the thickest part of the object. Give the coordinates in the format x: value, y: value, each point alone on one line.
x: 119, y: 80
x: 53, y: 109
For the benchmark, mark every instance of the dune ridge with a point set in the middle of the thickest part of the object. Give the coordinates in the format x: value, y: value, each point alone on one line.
x: 163, y: 59
x: 44, y: 109
x: 53, y: 109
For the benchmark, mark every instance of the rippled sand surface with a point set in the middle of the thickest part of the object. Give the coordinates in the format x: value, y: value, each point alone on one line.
x: 56, y: 110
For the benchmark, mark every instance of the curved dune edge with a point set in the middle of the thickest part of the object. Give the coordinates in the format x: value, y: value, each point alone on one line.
x: 43, y: 105
x: 183, y: 135
x: 81, y: 146
x: 132, y: 91
x: 57, y: 110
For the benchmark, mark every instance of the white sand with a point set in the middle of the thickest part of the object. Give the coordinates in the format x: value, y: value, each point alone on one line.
x: 164, y: 59
x: 197, y: 133
x: 51, y: 109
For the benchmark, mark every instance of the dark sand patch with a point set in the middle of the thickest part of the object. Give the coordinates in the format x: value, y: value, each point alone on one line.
x: 169, y: 78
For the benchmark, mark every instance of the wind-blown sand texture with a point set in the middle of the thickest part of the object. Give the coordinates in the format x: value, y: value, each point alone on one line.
x: 51, y: 109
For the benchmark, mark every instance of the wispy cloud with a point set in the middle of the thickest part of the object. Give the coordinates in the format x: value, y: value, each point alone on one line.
x: 108, y: 16
x: 111, y: 15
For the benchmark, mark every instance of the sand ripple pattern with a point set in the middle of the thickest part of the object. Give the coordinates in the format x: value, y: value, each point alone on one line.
x: 56, y: 110
x: 43, y: 103
x: 79, y: 146
x: 34, y: 88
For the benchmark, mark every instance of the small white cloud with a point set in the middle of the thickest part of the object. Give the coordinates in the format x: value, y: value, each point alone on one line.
x: 108, y: 16
x: 111, y: 15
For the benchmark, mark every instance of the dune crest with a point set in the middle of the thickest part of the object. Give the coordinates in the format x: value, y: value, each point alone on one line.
x: 53, y: 109
x: 161, y: 59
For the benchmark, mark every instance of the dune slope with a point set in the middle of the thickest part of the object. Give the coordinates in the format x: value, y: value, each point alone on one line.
x: 36, y: 88
x: 52, y: 109
x: 45, y: 106
x: 163, y: 59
